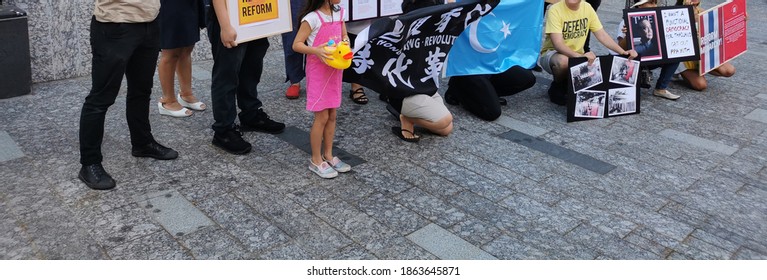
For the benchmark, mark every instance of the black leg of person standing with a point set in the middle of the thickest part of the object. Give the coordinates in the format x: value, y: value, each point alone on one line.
x: 129, y: 49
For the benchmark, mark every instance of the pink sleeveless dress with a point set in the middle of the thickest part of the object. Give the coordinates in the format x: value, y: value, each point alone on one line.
x: 323, y: 83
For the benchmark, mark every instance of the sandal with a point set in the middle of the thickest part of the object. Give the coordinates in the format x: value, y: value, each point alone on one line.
x: 361, y: 97
x: 399, y: 132
x: 197, y: 106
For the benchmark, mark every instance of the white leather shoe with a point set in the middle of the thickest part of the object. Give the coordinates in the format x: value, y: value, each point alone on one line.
x: 199, y: 106
x: 177, y: 114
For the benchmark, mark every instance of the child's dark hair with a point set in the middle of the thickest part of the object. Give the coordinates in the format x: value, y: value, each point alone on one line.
x: 313, y: 5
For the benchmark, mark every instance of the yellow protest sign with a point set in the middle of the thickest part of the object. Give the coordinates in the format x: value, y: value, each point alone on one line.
x: 251, y: 11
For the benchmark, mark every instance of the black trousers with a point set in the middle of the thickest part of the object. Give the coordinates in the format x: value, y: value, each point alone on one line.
x: 236, y: 74
x: 479, y: 94
x: 129, y: 49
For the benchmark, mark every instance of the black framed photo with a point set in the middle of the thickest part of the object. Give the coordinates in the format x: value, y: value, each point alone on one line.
x: 606, y: 88
x: 662, y: 34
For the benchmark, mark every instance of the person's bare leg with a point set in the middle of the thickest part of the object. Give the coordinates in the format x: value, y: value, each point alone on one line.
x: 443, y: 126
x: 329, y: 134
x: 315, y: 135
x: 166, y: 71
x: 184, y: 72
x: 407, y: 124
x: 724, y: 70
x: 696, y: 82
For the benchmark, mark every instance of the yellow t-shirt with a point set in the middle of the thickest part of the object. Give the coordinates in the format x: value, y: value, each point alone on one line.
x: 573, y: 25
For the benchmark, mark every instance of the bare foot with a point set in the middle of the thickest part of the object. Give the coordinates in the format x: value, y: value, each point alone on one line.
x: 406, y: 124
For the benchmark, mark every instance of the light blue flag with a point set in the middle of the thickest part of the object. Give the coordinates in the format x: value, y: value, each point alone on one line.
x: 509, y: 35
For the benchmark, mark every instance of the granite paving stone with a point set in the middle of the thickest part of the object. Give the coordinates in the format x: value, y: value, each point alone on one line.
x: 352, y: 252
x: 251, y: 229
x: 14, y: 241
x: 609, y: 245
x: 430, y: 207
x: 647, y: 244
x: 499, y: 216
x: 603, y: 220
x: 748, y: 254
x: 446, y: 245
x: 118, y: 225
x: 400, y: 248
x: 388, y: 211
x: 9, y: 150
x: 475, y: 231
x: 535, y: 211
x: 684, y: 214
x: 424, y: 179
x: 213, y: 243
x: 508, y: 248
x: 288, y: 251
x: 174, y: 213
x: 58, y: 236
x: 317, y: 236
x: 159, y: 245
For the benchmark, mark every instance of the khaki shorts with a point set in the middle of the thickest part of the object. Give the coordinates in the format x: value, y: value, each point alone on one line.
x: 422, y: 106
x: 544, y: 61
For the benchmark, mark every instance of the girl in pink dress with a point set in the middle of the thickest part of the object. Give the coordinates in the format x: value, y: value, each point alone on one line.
x: 322, y: 21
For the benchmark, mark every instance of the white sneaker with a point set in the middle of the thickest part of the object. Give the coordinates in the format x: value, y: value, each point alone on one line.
x: 665, y: 94
x: 338, y: 165
x: 323, y: 170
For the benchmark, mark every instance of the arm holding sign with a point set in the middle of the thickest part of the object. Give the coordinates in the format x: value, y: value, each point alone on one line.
x: 228, y: 34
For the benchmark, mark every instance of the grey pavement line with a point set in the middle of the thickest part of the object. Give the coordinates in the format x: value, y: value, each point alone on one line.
x: 8, y: 148
x: 174, y: 213
x: 447, y: 246
x: 757, y: 114
x: 300, y: 139
x: 557, y: 151
x: 521, y: 126
x: 698, y: 141
x: 762, y: 96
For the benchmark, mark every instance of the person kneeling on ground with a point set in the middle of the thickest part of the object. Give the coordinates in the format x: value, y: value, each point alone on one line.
x: 481, y: 95
x: 567, y: 24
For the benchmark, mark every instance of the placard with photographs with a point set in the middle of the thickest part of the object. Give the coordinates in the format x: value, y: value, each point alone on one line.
x: 624, y: 71
x: 606, y: 88
x: 584, y: 76
x: 369, y: 9
x: 621, y: 101
x: 662, y: 34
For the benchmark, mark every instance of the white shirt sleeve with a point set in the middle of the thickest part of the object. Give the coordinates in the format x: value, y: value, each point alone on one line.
x: 314, y: 22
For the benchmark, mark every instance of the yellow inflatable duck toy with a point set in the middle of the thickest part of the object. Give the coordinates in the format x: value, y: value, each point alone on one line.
x: 341, y: 53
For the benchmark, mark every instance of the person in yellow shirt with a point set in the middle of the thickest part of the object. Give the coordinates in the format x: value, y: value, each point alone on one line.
x: 567, y: 24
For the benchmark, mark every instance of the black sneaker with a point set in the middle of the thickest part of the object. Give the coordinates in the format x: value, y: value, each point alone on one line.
x: 502, y: 101
x: 557, y: 94
x: 231, y: 141
x: 95, y: 177
x: 154, y: 150
x: 262, y: 123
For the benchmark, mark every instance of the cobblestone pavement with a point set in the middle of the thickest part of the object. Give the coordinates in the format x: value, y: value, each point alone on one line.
x: 684, y: 179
